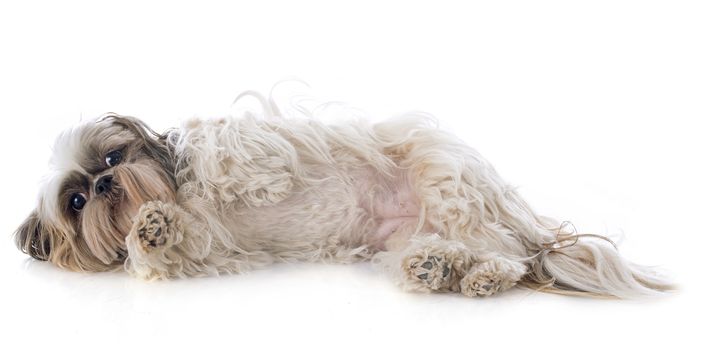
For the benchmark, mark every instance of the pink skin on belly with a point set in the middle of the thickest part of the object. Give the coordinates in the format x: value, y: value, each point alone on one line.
x: 395, y: 210
x: 389, y: 227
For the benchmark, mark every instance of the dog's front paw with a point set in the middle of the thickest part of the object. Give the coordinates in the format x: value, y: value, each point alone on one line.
x: 153, y: 226
x: 492, y: 276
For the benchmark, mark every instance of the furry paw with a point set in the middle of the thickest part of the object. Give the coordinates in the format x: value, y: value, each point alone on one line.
x: 152, y: 226
x: 432, y: 271
x: 166, y: 242
x: 492, y: 276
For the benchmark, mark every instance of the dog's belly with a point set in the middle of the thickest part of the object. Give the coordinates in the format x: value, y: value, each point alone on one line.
x: 393, y: 205
x: 343, y: 211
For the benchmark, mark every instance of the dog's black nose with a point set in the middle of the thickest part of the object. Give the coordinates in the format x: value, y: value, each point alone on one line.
x: 103, y: 185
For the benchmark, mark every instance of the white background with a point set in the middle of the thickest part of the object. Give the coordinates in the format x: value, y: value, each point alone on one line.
x: 602, y: 113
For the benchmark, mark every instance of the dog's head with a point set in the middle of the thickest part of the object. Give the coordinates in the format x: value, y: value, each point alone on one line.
x: 101, y: 172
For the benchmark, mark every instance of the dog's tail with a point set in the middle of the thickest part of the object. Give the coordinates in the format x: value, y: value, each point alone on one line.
x: 590, y: 265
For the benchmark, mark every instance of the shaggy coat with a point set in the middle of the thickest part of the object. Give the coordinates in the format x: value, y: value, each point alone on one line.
x: 231, y: 194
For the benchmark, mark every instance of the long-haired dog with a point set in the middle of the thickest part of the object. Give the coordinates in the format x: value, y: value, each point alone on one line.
x: 231, y: 194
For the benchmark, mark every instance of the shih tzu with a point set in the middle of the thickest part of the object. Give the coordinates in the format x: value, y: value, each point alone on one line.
x: 231, y: 194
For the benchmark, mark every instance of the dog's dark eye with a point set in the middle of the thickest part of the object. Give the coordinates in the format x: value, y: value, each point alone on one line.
x: 113, y: 158
x: 77, y: 201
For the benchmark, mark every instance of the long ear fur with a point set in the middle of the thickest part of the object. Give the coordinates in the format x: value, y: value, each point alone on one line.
x: 33, y: 239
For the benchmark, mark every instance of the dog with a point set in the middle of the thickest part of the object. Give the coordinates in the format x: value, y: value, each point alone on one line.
x: 231, y: 194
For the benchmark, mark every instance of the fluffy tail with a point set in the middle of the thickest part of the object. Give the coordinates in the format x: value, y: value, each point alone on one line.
x: 590, y: 265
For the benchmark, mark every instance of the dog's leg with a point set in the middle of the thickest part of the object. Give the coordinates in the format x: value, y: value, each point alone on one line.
x: 166, y: 242
x: 427, y: 264
x: 432, y: 264
x: 492, y: 276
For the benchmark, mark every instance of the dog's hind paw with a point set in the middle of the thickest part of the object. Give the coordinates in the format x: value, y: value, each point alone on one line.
x: 431, y: 271
x: 492, y: 276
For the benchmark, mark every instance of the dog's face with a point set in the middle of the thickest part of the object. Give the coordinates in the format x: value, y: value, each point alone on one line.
x: 101, y: 172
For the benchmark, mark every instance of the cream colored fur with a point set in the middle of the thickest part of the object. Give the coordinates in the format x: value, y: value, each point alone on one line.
x: 415, y: 200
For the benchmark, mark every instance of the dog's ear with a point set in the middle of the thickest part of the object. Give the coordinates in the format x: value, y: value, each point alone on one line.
x: 155, y: 144
x: 33, y: 238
